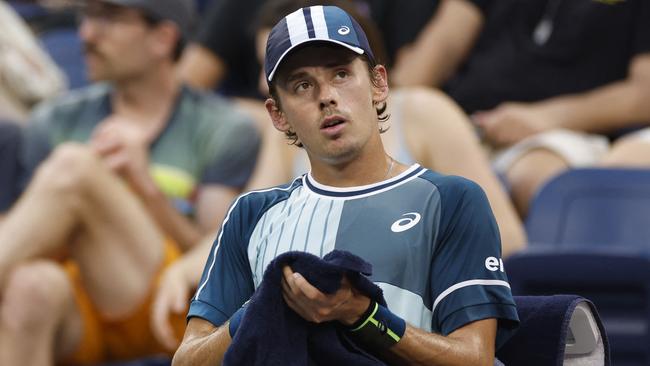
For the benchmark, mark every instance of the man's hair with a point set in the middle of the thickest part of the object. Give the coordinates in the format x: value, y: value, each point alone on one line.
x: 273, y: 11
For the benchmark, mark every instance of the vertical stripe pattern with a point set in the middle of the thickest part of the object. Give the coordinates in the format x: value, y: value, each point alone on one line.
x: 297, y: 27
x: 311, y: 227
x: 318, y: 20
x: 310, y: 26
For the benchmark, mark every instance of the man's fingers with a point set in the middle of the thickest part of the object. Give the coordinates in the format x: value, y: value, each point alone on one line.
x: 306, y: 288
x: 162, y: 330
x: 180, y: 300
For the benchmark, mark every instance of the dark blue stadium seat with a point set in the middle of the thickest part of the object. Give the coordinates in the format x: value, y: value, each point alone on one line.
x: 589, y: 234
x: 65, y: 48
x: 598, y: 207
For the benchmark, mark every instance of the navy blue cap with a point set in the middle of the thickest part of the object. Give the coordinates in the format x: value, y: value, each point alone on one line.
x: 180, y: 12
x: 315, y: 23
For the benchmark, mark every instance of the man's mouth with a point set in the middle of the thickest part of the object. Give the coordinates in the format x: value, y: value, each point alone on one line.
x: 332, y: 121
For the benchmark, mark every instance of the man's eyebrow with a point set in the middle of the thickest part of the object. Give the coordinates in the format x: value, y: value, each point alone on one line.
x: 295, y: 76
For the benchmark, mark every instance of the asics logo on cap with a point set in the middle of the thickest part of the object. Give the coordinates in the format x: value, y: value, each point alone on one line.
x: 344, y: 30
x: 406, y: 223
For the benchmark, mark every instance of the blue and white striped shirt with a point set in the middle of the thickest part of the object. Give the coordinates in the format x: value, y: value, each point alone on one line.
x: 432, y: 240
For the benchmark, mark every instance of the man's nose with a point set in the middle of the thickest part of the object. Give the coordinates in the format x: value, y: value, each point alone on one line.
x: 88, y: 29
x: 328, y: 96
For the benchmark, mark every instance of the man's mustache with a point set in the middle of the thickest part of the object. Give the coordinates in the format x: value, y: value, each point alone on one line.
x: 91, y: 49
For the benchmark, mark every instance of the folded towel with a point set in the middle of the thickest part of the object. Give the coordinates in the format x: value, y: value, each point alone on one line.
x: 543, y: 328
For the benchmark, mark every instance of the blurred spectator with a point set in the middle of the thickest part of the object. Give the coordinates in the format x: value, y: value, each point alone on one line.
x: 224, y: 52
x: 27, y: 74
x: 540, y: 77
x: 425, y: 126
x: 134, y: 170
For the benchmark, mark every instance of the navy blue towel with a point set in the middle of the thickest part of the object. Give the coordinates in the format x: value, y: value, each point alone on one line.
x: 542, y: 334
x: 270, y: 333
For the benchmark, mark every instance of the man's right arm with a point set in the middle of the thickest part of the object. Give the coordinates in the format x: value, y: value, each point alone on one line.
x: 203, y: 344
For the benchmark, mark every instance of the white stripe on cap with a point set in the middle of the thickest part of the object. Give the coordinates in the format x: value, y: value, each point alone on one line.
x: 297, y: 27
x: 318, y: 19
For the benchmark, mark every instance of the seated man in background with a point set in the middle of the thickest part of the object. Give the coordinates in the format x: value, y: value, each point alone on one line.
x: 135, y: 170
x: 450, y: 307
x: 545, y: 79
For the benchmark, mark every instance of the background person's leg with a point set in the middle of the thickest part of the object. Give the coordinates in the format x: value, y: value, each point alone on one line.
x: 39, y: 319
x: 632, y: 152
x: 527, y: 175
x: 75, y: 202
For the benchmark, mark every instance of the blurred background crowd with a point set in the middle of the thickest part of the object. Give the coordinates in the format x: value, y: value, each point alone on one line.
x: 544, y: 103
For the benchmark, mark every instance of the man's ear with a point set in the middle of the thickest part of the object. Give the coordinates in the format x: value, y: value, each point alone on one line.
x: 380, y: 84
x: 277, y: 116
x: 165, y: 38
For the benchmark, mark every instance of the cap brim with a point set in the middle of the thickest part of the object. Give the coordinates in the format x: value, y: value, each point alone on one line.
x: 277, y: 63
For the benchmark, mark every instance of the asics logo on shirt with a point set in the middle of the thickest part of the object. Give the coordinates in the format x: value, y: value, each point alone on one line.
x: 411, y: 219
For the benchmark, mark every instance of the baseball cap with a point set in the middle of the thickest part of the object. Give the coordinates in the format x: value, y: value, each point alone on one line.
x: 313, y: 24
x: 181, y: 12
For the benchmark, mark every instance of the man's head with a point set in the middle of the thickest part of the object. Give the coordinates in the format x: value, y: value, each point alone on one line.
x: 324, y: 83
x: 124, y: 38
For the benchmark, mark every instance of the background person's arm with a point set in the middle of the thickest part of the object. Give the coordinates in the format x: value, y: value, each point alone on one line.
x: 441, y: 46
x: 605, y: 109
x: 201, y: 68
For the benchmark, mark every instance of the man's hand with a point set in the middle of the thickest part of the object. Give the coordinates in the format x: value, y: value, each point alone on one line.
x: 510, y: 123
x: 125, y: 149
x: 346, y: 305
x: 171, y: 298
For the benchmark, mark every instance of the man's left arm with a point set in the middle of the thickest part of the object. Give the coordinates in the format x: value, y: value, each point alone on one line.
x: 472, y: 344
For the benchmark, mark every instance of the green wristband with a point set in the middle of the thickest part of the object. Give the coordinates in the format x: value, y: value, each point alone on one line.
x: 378, y: 328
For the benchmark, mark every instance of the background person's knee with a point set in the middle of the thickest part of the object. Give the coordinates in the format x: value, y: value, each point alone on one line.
x: 529, y: 173
x: 34, y: 296
x: 68, y: 168
x: 629, y: 152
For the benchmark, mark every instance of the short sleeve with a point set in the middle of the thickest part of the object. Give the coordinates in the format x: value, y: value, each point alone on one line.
x: 227, y: 282
x: 216, y: 31
x: 483, y: 5
x: 36, y: 142
x: 642, y: 31
x: 468, y: 279
x: 236, y: 155
x: 10, y: 141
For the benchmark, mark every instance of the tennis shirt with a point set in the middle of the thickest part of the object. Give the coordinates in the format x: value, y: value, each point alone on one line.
x: 432, y: 241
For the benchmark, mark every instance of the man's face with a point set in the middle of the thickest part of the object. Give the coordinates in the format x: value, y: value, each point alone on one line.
x: 328, y: 99
x: 117, y: 41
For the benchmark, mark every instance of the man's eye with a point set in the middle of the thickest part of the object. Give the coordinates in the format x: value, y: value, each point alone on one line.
x: 342, y: 74
x: 302, y: 86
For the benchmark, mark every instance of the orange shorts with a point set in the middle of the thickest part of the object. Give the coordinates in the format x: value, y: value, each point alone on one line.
x: 123, y: 339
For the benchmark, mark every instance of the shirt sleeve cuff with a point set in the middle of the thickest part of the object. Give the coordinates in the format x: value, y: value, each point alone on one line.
x: 206, y: 311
